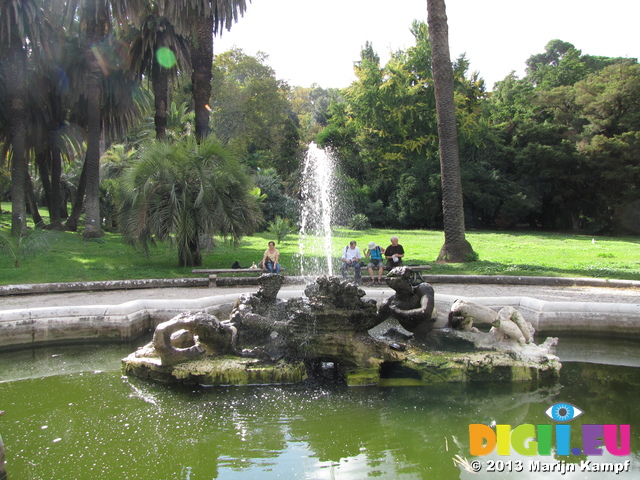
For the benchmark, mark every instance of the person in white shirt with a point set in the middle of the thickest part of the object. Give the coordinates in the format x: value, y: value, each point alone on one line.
x: 351, y: 259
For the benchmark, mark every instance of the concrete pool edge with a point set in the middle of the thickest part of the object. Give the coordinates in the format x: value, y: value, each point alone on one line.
x: 26, y: 327
x: 66, y: 287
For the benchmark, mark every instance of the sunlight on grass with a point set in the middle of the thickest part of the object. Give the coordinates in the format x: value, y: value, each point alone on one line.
x: 69, y: 258
x: 82, y: 261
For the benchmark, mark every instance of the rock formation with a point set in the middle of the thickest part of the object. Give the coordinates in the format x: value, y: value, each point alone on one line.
x: 269, y: 340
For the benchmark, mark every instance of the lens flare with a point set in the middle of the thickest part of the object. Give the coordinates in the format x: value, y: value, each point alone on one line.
x: 166, y: 57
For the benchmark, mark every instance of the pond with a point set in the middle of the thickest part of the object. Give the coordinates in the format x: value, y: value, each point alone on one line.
x: 70, y: 414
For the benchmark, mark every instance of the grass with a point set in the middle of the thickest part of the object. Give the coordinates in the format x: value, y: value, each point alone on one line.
x: 69, y: 258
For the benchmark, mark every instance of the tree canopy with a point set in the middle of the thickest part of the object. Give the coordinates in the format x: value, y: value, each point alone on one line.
x: 556, y: 149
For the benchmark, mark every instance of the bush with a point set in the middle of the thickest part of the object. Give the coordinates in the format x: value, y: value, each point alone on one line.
x: 23, y: 246
x: 359, y: 222
x: 280, y: 228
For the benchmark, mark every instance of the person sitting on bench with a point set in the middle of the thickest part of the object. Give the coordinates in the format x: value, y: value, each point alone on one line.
x: 351, y: 259
x: 271, y: 259
x: 394, y: 254
x: 374, y: 254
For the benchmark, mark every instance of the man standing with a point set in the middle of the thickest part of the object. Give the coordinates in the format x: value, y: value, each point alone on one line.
x: 351, y: 259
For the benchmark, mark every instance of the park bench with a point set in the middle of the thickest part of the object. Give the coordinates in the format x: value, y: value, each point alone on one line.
x: 213, y: 272
x: 416, y: 269
x: 417, y: 273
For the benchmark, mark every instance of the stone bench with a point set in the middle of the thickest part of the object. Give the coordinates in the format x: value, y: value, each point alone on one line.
x: 417, y: 272
x: 416, y: 269
x: 213, y: 272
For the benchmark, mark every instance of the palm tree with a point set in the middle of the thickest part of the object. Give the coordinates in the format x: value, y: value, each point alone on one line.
x: 207, y: 17
x: 114, y: 163
x: 96, y: 21
x: 188, y: 191
x: 21, y: 25
x: 155, y: 35
x: 61, y: 79
x: 456, y: 248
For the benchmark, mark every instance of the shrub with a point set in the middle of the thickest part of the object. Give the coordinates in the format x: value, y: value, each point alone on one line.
x: 183, y: 191
x: 359, y: 222
x: 23, y: 246
x: 280, y: 228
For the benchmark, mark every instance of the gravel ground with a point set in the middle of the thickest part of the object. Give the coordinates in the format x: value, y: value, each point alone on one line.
x: 115, y: 297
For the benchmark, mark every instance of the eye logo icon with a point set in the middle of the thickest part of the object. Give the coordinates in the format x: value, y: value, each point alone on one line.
x: 563, y: 412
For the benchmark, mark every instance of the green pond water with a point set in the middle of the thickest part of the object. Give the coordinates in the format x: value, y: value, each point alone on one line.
x: 71, y: 415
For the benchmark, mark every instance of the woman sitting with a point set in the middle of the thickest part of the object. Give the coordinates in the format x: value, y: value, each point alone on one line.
x: 271, y: 259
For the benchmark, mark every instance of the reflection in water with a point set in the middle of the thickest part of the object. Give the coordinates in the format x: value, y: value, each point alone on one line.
x: 98, y: 424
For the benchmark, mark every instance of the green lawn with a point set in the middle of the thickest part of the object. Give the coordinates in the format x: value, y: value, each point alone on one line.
x: 68, y: 258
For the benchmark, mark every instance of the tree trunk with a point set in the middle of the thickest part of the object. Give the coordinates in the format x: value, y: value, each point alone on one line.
x: 202, y: 62
x: 33, y: 203
x: 189, y: 255
x: 55, y: 207
x: 160, y: 77
x: 42, y: 157
x: 97, y: 19
x: 18, y: 135
x: 76, y: 211
x: 456, y: 248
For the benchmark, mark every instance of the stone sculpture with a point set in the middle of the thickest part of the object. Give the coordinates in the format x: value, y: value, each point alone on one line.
x: 268, y: 340
x: 507, y: 323
x: 411, y: 305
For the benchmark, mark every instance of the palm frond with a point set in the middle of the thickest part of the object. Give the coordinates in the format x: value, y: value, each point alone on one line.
x: 186, y: 191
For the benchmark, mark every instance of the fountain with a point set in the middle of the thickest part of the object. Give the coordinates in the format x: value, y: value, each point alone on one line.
x: 70, y: 413
x: 316, y: 209
x: 267, y: 340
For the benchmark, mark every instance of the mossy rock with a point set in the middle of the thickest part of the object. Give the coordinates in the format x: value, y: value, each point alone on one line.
x: 425, y: 368
x: 227, y: 370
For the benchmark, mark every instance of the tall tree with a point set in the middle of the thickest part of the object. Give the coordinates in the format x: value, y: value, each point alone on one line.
x: 206, y: 17
x: 158, y: 50
x: 19, y: 28
x: 250, y: 107
x: 95, y: 22
x: 456, y: 248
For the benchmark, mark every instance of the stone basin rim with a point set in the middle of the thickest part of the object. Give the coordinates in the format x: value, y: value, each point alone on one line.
x: 68, y: 287
x: 23, y: 328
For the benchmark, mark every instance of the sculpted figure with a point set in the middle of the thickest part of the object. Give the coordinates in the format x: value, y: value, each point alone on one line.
x: 507, y: 324
x: 188, y: 336
x: 261, y: 320
x: 256, y: 314
x: 412, y: 305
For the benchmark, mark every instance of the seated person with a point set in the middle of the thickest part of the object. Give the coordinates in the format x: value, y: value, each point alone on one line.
x: 394, y: 254
x: 351, y: 259
x: 374, y: 254
x: 271, y: 259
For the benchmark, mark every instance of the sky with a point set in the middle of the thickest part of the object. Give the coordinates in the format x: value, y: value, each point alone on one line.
x: 318, y: 41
